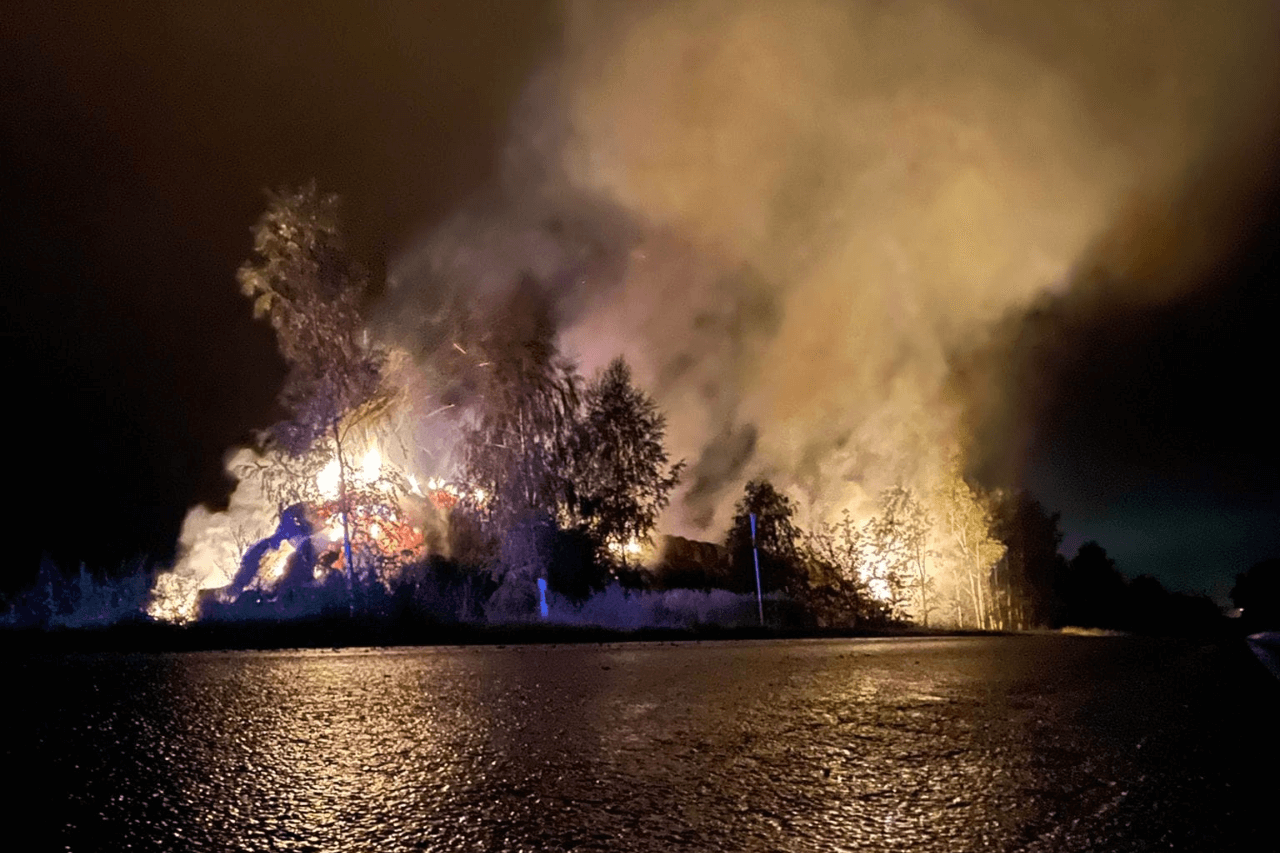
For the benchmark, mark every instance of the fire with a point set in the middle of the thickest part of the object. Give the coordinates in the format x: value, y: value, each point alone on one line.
x: 873, y: 575
x: 371, y: 465
x: 378, y: 530
x: 275, y: 565
x: 630, y: 548
x: 174, y: 598
x: 442, y: 493
x: 879, y: 588
x: 369, y: 472
x: 329, y: 479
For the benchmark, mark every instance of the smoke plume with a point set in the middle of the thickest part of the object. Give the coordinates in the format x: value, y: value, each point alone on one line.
x: 794, y: 218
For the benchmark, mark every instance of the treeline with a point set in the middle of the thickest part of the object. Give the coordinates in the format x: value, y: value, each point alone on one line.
x: 892, y: 565
x: 806, y: 584
x: 561, y: 480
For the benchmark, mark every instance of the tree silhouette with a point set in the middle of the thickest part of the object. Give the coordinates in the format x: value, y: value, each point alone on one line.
x: 1023, y: 579
x: 622, y: 480
x: 518, y: 446
x: 304, y: 282
x: 777, y: 539
x: 1092, y: 590
x: 965, y: 523
x: 840, y: 564
x: 899, y: 539
x: 1257, y: 594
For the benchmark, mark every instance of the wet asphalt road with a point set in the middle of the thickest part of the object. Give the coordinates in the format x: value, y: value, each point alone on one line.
x: 956, y: 744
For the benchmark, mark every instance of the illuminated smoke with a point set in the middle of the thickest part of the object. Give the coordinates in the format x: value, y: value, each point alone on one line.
x: 212, y: 544
x: 791, y: 217
x: 797, y: 220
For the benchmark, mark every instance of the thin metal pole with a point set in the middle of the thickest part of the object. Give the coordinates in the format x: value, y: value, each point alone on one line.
x: 346, y: 529
x: 755, y: 554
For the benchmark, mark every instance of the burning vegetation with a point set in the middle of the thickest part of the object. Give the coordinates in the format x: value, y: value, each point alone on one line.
x: 805, y: 242
x: 801, y: 247
x: 514, y: 468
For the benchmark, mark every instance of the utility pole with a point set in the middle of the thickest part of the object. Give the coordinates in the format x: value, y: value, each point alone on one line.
x: 755, y: 554
x: 346, y: 528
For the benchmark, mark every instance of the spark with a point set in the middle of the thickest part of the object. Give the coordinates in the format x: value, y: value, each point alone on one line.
x: 458, y: 348
x: 437, y: 411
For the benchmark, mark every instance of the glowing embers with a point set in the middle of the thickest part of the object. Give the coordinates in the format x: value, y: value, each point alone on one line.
x: 446, y: 495
x: 380, y: 534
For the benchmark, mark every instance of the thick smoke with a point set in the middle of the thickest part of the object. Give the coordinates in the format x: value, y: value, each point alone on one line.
x: 212, y: 544
x: 792, y: 217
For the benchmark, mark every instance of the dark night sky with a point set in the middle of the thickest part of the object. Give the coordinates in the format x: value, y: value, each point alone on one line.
x: 135, y: 146
x: 1155, y: 427
x: 134, y: 149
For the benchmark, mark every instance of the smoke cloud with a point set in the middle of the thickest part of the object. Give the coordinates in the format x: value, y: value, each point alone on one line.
x: 793, y: 219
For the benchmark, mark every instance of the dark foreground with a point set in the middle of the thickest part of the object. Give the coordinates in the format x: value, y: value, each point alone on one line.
x: 1001, y: 743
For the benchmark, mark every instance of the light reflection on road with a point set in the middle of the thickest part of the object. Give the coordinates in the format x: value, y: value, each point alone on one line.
x: 930, y: 744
